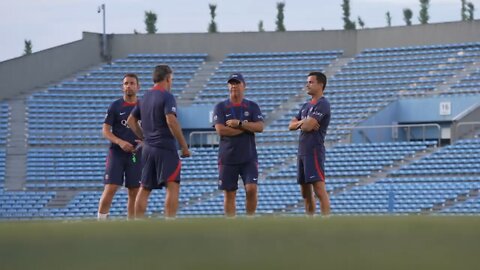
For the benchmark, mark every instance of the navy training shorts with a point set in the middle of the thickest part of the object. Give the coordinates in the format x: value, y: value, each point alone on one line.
x: 120, y: 168
x: 160, y: 166
x: 228, y: 175
x: 310, y: 168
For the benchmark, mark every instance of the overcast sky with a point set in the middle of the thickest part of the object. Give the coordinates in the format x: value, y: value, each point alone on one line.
x: 49, y: 23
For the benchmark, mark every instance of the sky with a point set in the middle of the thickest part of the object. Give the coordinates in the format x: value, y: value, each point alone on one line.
x: 49, y: 23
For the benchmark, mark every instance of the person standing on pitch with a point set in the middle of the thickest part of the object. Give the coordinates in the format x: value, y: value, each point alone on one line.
x: 236, y: 121
x: 313, y: 119
x: 123, y: 164
x: 160, y: 128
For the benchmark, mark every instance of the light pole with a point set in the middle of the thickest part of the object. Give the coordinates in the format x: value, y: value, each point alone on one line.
x: 104, y: 37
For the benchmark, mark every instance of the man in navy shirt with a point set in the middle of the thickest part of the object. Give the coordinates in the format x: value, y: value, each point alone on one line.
x: 236, y: 121
x: 123, y: 164
x: 313, y: 119
x: 160, y: 128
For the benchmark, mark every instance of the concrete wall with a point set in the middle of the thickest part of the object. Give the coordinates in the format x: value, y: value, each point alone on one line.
x: 219, y: 44
x: 28, y: 72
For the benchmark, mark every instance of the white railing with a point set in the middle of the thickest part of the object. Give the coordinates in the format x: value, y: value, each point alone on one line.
x: 395, y: 132
x: 423, y: 132
x: 465, y: 130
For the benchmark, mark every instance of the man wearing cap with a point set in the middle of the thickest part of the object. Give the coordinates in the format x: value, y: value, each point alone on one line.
x: 236, y: 121
x: 313, y: 120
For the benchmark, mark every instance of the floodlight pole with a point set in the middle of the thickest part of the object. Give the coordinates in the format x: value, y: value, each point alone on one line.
x: 104, y: 37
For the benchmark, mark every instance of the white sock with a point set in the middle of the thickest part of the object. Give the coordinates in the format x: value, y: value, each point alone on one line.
x: 101, y: 216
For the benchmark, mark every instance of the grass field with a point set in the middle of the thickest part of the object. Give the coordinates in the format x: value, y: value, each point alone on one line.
x: 295, y: 243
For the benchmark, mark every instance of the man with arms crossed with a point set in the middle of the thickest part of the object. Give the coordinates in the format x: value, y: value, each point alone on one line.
x: 160, y: 128
x: 123, y: 162
x: 313, y: 119
x: 236, y: 122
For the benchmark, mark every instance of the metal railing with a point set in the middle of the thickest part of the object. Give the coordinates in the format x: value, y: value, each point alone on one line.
x: 211, y: 138
x: 472, y: 130
x: 408, y: 132
x: 395, y: 134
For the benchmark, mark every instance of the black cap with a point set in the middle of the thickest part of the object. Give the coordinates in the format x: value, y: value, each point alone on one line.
x: 236, y: 77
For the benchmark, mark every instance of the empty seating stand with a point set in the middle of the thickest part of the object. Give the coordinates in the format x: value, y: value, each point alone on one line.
x: 272, y: 77
x: 72, y: 112
x: 66, y: 150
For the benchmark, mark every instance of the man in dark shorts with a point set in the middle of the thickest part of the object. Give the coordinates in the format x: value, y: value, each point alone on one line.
x: 123, y: 161
x: 160, y: 127
x: 313, y: 119
x: 236, y: 121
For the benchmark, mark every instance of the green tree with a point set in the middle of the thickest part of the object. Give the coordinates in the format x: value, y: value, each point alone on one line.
x: 389, y: 18
x: 471, y: 11
x: 407, y: 16
x: 347, y: 23
x: 280, y: 17
x: 361, y: 23
x: 423, y: 15
x: 28, y: 47
x: 212, y: 27
x: 463, y: 10
x: 150, y: 21
x: 260, y: 26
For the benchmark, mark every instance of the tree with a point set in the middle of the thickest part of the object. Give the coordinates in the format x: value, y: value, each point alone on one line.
x: 423, y: 15
x: 407, y: 16
x: 28, y: 47
x: 347, y: 23
x: 280, y: 17
x: 150, y: 21
x: 212, y: 27
x: 463, y: 10
x: 361, y: 23
x: 471, y: 10
x: 260, y: 26
x: 389, y: 19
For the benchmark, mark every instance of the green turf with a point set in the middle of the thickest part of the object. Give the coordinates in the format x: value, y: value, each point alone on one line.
x: 298, y: 243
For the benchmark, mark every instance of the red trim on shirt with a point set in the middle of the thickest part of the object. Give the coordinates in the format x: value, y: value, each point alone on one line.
x: 155, y: 87
x: 129, y: 104
x: 313, y: 101
x: 240, y: 104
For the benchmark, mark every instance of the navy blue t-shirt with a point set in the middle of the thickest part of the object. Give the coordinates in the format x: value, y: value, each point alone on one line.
x: 116, y: 117
x: 152, y: 109
x: 241, y: 148
x: 314, y: 140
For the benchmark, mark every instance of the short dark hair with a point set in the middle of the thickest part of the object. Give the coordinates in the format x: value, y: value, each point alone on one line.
x: 320, y: 77
x: 131, y: 75
x: 161, y: 72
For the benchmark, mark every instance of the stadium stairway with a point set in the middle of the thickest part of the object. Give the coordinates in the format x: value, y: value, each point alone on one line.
x: 474, y: 193
x: 197, y: 83
x: 397, y: 165
x: 16, y: 159
x: 61, y: 199
x: 374, y: 176
x: 455, y: 79
x: 301, y: 95
x: 336, y: 66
